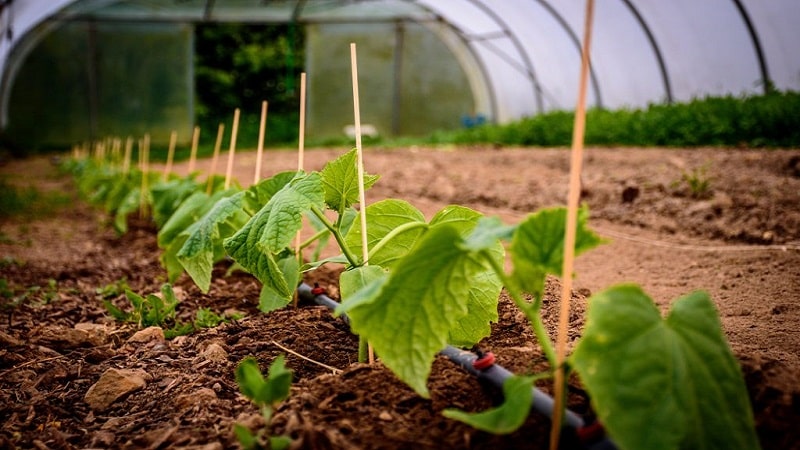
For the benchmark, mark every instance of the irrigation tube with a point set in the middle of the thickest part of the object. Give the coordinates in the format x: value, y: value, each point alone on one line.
x: 591, y: 435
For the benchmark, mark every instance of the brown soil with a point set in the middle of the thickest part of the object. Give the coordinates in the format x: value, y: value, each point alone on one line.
x: 739, y: 239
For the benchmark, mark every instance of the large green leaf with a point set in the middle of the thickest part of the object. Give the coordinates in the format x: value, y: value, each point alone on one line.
x: 391, y: 216
x: 190, y: 211
x: 278, y: 222
x: 271, y: 298
x: 537, y: 248
x: 408, y: 317
x: 507, y: 417
x: 663, y: 384
x: 352, y: 281
x: 260, y: 194
x: 196, y: 255
x: 340, y: 178
x: 273, y: 229
x: 167, y: 197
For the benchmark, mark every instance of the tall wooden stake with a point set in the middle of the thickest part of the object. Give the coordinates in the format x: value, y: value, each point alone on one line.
x: 126, y: 161
x: 232, y: 149
x: 173, y: 141
x: 576, y: 163
x: 143, y: 213
x: 215, y: 159
x: 193, y: 154
x: 361, y: 197
x: 260, y: 151
x: 301, y: 139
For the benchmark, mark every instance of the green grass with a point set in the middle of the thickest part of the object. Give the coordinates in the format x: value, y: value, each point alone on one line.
x: 771, y: 120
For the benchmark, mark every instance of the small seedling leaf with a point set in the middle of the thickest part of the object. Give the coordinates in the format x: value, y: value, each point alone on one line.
x: 340, y: 178
x: 264, y: 392
x: 538, y: 246
x: 663, y: 384
x: 507, y: 417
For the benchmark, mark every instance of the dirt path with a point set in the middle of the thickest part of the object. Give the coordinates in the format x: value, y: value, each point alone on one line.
x: 738, y: 239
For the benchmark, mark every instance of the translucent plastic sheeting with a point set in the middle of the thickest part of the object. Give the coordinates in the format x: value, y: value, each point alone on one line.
x: 520, y: 57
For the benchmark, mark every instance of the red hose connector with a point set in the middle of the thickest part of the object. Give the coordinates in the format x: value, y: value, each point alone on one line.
x: 318, y: 290
x: 484, y: 361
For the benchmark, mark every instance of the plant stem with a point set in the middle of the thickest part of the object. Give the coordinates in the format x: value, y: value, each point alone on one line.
x: 394, y: 233
x: 311, y: 240
x: 339, y: 238
x: 531, y: 311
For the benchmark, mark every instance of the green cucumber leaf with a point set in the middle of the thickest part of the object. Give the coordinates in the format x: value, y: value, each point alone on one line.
x: 408, y: 316
x: 274, y: 227
x: 487, y: 232
x: 340, y: 178
x: 190, y: 211
x: 384, y: 217
x: 264, y: 392
x: 129, y: 205
x: 484, y: 291
x: 169, y: 258
x: 167, y: 196
x: 482, y: 296
x: 197, y: 254
x: 260, y: 194
x: 271, y: 298
x: 353, y: 280
x: 507, y: 417
x: 663, y: 384
x: 537, y: 248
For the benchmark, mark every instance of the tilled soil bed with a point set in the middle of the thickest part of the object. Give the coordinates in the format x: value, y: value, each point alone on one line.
x: 738, y: 239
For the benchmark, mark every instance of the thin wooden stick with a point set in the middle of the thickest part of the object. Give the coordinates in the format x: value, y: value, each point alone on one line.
x: 143, y: 213
x: 232, y: 149
x: 570, y: 232
x: 361, y: 197
x: 334, y: 370
x: 193, y: 154
x: 116, y: 145
x: 260, y: 151
x: 301, y: 139
x: 215, y: 159
x: 126, y: 161
x: 173, y: 140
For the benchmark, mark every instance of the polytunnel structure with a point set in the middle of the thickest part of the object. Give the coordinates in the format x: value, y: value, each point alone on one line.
x: 431, y: 63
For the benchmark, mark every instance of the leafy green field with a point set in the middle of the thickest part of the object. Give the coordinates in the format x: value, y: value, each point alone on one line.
x: 771, y: 120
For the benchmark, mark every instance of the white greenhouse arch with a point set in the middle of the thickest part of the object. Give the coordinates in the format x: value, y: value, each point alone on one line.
x: 526, y: 52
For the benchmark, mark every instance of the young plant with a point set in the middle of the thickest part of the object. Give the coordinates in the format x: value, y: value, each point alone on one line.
x: 266, y: 394
x: 699, y: 182
x: 151, y: 310
x: 652, y: 382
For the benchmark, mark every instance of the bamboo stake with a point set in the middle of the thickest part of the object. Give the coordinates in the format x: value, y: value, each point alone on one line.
x: 116, y: 146
x: 232, y: 149
x: 301, y: 141
x: 301, y: 138
x: 193, y: 154
x: 260, y: 151
x: 126, y: 159
x: 361, y: 197
x: 215, y: 158
x: 569, y: 234
x: 143, y: 213
x: 173, y: 140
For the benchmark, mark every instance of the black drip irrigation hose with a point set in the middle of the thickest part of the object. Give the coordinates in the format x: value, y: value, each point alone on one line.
x: 590, y: 435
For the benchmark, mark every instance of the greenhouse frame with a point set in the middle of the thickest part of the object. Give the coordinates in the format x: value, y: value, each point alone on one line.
x: 424, y: 64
